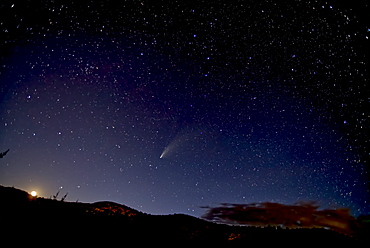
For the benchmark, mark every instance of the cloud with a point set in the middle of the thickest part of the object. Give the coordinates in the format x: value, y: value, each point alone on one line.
x: 303, y: 215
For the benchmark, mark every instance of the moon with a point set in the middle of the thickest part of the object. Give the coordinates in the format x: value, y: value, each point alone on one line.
x: 33, y: 193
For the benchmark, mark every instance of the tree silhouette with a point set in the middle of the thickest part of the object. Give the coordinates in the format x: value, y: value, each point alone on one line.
x: 2, y: 154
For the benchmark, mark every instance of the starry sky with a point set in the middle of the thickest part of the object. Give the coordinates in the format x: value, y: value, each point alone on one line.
x: 165, y: 106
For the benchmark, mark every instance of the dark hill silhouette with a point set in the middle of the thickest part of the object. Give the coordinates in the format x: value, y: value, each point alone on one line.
x: 26, y: 219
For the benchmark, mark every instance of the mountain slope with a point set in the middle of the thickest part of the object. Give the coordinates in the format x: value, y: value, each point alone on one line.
x: 25, y: 218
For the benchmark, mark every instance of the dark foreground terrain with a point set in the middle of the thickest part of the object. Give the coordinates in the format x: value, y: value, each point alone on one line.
x: 32, y: 220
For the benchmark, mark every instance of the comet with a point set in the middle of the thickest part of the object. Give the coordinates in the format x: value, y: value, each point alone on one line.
x: 181, y: 141
x: 165, y: 151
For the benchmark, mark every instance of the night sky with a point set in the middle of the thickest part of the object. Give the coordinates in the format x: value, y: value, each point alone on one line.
x: 165, y: 106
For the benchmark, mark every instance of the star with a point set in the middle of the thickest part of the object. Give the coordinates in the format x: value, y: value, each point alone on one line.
x: 162, y: 108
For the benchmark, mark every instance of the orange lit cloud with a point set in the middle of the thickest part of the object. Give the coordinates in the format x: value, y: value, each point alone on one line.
x: 305, y: 215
